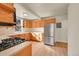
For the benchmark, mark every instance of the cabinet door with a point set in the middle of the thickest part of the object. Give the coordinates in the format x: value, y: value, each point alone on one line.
x: 38, y: 23
x: 20, y: 36
x: 28, y: 36
x: 34, y: 24
x: 27, y: 24
x: 6, y: 16
x: 24, y: 24
x: 8, y: 4
x: 27, y: 51
x: 7, y: 7
x: 41, y: 23
x: 49, y: 21
x: 30, y: 24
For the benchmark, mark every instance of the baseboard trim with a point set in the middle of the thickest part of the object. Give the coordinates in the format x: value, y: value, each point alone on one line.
x: 61, y: 44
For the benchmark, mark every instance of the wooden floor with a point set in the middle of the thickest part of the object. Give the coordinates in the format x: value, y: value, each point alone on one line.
x: 40, y: 49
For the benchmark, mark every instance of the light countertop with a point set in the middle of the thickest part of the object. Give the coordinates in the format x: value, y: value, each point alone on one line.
x: 13, y: 50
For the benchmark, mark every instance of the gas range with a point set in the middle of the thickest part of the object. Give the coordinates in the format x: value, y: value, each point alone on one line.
x: 7, y: 43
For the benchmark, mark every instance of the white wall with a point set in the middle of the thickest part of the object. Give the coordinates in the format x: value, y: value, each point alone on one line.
x: 34, y: 30
x: 61, y: 33
x: 20, y: 10
x: 73, y: 32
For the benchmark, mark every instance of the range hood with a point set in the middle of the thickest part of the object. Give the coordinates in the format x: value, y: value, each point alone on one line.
x: 7, y: 24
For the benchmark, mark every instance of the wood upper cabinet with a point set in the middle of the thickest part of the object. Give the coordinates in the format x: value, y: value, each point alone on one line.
x: 7, y: 7
x: 41, y: 23
x: 49, y: 21
x: 9, y: 4
x: 6, y: 17
x: 34, y: 24
x: 6, y: 12
x: 38, y: 23
x: 26, y: 51
x: 27, y: 24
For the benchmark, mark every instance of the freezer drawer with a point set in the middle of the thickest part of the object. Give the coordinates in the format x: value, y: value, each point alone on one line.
x: 48, y: 34
x: 49, y: 40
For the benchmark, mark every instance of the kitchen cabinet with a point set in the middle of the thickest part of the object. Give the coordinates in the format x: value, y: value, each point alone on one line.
x: 49, y: 21
x: 9, y: 4
x: 41, y: 23
x: 6, y: 12
x: 34, y: 23
x: 7, y: 7
x: 27, y: 24
x: 6, y: 17
x: 26, y: 51
x: 37, y: 23
x: 20, y: 36
x: 26, y: 36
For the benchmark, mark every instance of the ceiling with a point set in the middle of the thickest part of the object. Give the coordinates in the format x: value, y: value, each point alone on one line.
x: 46, y: 9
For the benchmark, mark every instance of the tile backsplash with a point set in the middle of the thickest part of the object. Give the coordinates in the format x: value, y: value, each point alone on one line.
x: 3, y: 37
x: 5, y: 31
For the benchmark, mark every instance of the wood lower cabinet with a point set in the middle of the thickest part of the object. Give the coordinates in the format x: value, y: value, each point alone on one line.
x: 20, y: 36
x: 26, y: 51
x: 26, y: 36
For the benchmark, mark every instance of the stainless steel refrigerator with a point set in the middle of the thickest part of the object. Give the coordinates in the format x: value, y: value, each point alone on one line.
x: 49, y: 34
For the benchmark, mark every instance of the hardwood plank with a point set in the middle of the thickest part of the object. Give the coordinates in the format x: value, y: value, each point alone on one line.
x: 40, y: 49
x: 61, y: 44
